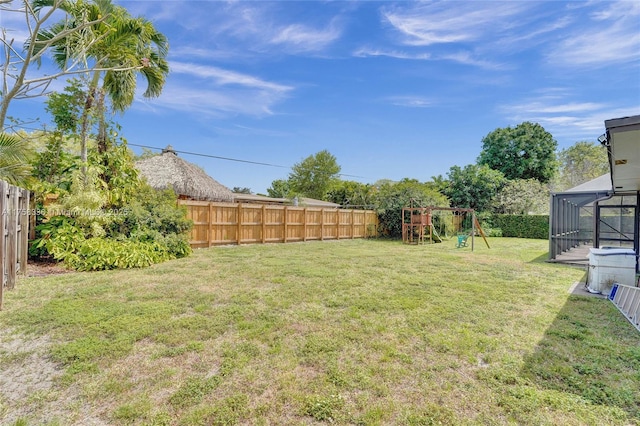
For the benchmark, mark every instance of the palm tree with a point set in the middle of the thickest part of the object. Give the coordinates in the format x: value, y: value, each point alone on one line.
x: 121, y: 48
x: 14, y: 159
x: 134, y: 48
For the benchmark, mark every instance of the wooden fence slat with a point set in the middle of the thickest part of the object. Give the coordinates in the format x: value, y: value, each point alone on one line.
x: 23, y: 223
x: 12, y: 237
x: 4, y: 188
x: 242, y: 223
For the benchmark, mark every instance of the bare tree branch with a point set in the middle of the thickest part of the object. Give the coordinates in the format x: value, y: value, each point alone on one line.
x: 15, y: 84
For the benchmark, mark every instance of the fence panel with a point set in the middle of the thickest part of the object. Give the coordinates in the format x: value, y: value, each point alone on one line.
x: 14, y: 234
x: 231, y: 223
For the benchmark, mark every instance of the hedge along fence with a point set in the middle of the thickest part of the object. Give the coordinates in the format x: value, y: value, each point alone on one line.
x: 14, y: 233
x: 522, y: 226
x: 230, y: 223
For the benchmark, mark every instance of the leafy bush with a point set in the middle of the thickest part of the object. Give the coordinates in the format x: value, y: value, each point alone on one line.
x: 59, y: 237
x: 151, y: 230
x: 101, y: 253
x: 522, y: 226
x: 151, y: 210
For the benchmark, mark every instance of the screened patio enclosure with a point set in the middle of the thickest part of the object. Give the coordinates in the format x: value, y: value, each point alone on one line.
x: 604, y: 212
x: 572, y: 219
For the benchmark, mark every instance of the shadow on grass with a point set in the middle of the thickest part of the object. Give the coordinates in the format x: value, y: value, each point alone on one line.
x: 541, y: 259
x: 590, y: 350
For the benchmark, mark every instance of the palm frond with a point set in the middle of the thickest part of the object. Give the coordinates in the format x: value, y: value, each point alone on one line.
x: 14, y: 159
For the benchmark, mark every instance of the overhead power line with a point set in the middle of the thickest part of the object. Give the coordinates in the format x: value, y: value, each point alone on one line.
x: 212, y: 156
x: 229, y: 159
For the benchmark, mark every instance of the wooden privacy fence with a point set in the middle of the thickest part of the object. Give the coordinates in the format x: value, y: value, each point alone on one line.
x: 14, y: 233
x: 237, y: 223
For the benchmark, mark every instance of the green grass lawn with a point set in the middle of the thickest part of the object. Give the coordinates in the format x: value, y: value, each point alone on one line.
x: 349, y: 332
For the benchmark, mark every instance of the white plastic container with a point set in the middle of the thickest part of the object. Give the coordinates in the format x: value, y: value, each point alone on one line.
x: 611, y: 265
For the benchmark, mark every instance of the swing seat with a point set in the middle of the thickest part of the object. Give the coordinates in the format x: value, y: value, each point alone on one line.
x: 462, y: 240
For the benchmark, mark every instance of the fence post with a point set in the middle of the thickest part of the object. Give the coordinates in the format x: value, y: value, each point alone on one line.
x: 23, y: 218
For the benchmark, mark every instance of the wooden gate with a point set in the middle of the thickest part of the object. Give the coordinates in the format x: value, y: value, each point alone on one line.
x: 14, y: 234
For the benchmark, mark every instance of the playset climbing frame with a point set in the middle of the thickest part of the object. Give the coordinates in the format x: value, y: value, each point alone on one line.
x: 418, y: 225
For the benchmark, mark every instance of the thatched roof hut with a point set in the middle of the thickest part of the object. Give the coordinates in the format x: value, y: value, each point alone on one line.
x: 187, y: 180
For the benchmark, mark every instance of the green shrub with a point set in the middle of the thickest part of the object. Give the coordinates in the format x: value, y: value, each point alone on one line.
x: 150, y: 230
x: 58, y: 237
x: 101, y: 253
x: 521, y: 226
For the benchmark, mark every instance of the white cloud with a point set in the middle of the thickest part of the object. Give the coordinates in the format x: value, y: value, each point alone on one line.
x: 572, y: 120
x: 222, y: 77
x: 411, y: 101
x: 452, y: 22
x: 610, y: 37
x: 467, y: 58
x: 216, y: 102
x: 211, y: 91
x: 257, y: 27
x: 302, y: 38
x: 365, y: 52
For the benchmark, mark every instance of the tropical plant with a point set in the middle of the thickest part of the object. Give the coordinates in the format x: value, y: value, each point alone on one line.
x: 151, y: 229
x: 124, y: 47
x: 14, y: 159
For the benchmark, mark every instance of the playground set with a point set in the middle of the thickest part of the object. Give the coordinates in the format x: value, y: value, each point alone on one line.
x: 429, y: 225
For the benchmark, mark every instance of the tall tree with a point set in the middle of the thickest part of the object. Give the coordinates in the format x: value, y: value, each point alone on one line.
x: 526, y: 151
x: 473, y: 186
x: 522, y: 196
x: 313, y: 176
x: 582, y: 162
x: 279, y: 189
x: 351, y: 194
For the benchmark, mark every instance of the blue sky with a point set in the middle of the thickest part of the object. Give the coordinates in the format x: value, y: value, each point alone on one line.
x: 392, y: 89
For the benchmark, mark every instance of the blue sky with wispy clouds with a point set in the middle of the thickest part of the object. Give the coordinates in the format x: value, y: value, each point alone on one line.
x: 392, y: 89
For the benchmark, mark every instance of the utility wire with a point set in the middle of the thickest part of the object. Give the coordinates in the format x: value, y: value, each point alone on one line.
x: 212, y: 156
x: 230, y: 159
